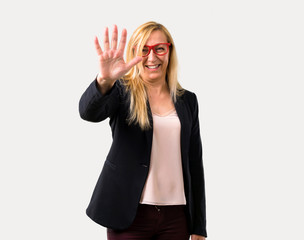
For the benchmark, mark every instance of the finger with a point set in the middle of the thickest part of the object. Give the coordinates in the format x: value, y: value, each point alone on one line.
x: 97, y: 46
x: 123, y: 41
x: 133, y: 62
x: 114, y: 38
x: 106, y: 39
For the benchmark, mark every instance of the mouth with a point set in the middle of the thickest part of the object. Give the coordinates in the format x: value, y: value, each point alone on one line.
x: 153, y: 66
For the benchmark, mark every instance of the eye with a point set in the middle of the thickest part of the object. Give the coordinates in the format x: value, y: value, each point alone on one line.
x: 160, y: 49
x: 145, y: 50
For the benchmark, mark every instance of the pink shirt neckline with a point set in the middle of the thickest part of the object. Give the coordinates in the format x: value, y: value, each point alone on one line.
x: 164, y: 114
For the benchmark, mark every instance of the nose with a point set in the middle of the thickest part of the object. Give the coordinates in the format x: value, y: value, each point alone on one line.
x: 151, y: 55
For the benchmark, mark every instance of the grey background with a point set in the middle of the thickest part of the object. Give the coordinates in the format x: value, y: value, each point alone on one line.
x: 243, y: 59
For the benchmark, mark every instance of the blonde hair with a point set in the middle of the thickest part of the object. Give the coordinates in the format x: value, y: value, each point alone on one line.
x: 133, y: 81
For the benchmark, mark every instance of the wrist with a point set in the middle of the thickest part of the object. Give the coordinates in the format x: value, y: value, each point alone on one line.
x: 104, y: 85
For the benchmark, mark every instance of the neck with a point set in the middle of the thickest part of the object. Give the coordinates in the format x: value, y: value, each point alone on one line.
x: 156, y: 88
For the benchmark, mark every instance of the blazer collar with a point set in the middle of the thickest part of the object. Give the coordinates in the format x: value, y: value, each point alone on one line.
x: 179, y: 107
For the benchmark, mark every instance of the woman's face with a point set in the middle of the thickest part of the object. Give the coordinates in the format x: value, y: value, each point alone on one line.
x: 155, y: 66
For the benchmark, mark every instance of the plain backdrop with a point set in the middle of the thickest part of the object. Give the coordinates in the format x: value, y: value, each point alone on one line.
x: 243, y: 59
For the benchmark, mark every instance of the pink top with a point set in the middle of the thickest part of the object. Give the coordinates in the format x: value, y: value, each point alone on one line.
x: 165, y: 183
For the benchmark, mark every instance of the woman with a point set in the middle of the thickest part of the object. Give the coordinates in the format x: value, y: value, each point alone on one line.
x: 152, y: 183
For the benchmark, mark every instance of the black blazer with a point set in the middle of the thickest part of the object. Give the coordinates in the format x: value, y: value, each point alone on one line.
x: 118, y: 190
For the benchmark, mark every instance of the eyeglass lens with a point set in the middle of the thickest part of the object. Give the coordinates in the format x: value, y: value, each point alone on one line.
x: 160, y: 49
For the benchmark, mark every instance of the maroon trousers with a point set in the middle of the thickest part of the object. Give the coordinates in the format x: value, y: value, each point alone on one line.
x: 155, y: 223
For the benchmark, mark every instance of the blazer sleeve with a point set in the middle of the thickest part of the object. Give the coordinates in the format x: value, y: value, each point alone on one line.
x: 197, y: 174
x: 95, y: 107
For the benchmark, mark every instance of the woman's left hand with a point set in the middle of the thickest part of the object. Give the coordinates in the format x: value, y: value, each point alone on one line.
x: 197, y: 237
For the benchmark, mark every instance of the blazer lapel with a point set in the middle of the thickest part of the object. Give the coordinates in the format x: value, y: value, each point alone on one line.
x: 180, y: 110
x: 149, y: 133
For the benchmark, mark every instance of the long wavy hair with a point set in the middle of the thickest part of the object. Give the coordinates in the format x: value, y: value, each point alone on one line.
x: 133, y: 81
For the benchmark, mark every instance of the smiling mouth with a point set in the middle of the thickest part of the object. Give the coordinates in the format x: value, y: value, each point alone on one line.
x: 153, y: 66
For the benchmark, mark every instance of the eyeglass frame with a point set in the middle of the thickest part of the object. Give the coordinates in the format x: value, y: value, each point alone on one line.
x: 153, y: 46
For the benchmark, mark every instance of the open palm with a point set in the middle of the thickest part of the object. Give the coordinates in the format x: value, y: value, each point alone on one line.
x: 111, y: 63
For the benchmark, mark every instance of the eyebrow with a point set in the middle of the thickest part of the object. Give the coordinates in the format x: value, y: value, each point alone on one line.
x: 155, y: 44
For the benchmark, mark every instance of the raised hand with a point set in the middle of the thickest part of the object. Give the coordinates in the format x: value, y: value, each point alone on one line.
x: 197, y: 237
x: 111, y: 63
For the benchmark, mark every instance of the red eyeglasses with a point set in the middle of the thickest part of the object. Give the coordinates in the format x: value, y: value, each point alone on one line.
x: 159, y: 49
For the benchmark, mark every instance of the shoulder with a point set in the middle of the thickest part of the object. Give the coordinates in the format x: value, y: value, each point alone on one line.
x: 188, y: 97
x: 189, y: 100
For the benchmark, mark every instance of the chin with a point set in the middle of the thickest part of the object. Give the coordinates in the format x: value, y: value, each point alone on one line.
x: 152, y: 76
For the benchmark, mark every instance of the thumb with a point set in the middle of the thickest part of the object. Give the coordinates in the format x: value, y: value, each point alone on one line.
x: 133, y: 62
